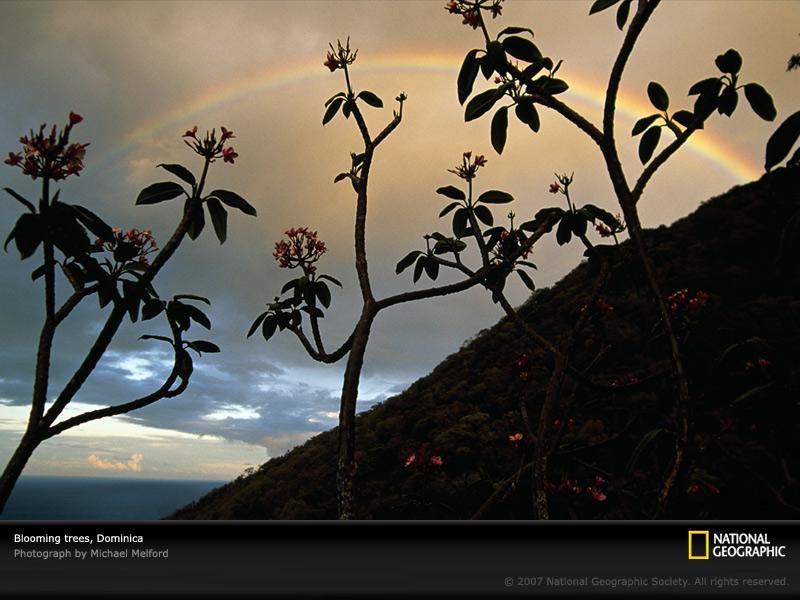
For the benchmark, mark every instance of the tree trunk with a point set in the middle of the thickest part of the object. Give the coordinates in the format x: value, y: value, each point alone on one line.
x: 19, y: 459
x: 345, y: 468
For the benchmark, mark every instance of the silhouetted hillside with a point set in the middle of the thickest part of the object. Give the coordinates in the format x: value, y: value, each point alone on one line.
x: 742, y: 351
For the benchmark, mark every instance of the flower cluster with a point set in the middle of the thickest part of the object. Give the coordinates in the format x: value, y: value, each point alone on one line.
x: 761, y: 363
x: 568, y: 486
x: 679, y: 303
x: 341, y: 56
x: 302, y: 249
x: 210, y: 147
x: 468, y: 167
x: 421, y: 460
x: 139, y: 242
x: 606, y: 231
x: 470, y: 10
x: 50, y: 155
x: 697, y: 489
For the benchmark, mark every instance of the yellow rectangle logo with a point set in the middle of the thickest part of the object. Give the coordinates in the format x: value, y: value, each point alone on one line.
x: 700, y: 543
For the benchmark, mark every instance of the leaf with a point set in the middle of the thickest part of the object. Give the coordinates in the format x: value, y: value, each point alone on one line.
x: 16, y: 196
x: 760, y: 101
x: 467, y: 75
x: 406, y: 261
x: 180, y: 171
x: 197, y: 315
x: 603, y: 215
x: 730, y: 62
x: 578, y: 223
x: 93, y: 223
x: 782, y: 141
x: 203, y: 346
x: 496, y: 57
x: 754, y: 394
x: 451, y: 192
x: 219, y: 219
x: 526, y: 279
x: 183, y: 361
x: 599, y: 5
x: 193, y: 297
x: 334, y: 97
x: 234, y: 200
x: 500, y: 128
x: 268, y: 327
x: 340, y: 176
x: 370, y: 99
x: 159, y: 192
x: 460, y: 221
x: 332, y: 109
x: 658, y: 95
x: 706, y: 86
x: 622, y: 14
x: 481, y: 104
x: 526, y: 112
x: 450, y: 207
x: 648, y: 143
x: 133, y: 297
x: 323, y: 293
x: 484, y: 215
x: 643, y: 124
x: 197, y: 221
x: 347, y: 108
x: 728, y: 101
x: 564, y: 231
x: 333, y: 280
x: 446, y: 245
x: 683, y: 117
x: 514, y: 30
x: 555, y: 86
x: 256, y: 323
x: 431, y: 268
x: 495, y: 197
x: 419, y: 267
x: 521, y: 48
x: 646, y: 440
x: 26, y: 234
x: 160, y: 338
x: 151, y: 309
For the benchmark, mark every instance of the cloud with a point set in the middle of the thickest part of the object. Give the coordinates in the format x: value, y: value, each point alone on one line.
x: 134, y: 463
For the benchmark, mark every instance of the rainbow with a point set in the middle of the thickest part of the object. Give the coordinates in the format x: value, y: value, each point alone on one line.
x: 703, y: 144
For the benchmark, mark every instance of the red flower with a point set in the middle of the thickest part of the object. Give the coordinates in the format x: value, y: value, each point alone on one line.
x: 763, y: 363
x: 468, y: 168
x: 410, y: 460
x: 226, y: 135
x: 452, y: 7
x: 712, y: 488
x: 693, y: 489
x: 480, y: 160
x: 331, y: 62
x: 555, y: 188
x: 228, y: 154
x: 436, y: 460
x: 749, y: 366
x: 13, y: 159
x: 603, y: 230
x: 192, y: 133
x: 74, y: 118
x: 471, y: 18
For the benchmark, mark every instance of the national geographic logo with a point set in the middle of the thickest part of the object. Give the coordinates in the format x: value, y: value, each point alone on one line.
x: 704, y: 544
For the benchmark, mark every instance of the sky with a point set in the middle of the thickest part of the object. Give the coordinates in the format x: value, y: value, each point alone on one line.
x: 141, y: 73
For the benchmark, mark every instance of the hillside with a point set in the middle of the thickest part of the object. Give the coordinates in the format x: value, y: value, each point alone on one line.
x: 742, y: 351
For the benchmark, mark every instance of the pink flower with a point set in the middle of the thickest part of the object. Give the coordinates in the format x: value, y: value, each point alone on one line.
x: 410, y: 460
x: 228, y: 154
x: 515, y: 439
x: 763, y: 363
x: 468, y: 168
x: 436, y: 460
x: 712, y: 488
x: 596, y: 494
x: 693, y: 489
x: 555, y: 188
x: 192, y: 133
x: 452, y: 7
x: 603, y: 230
x: 471, y: 18
x: 226, y: 135
x: 599, y: 480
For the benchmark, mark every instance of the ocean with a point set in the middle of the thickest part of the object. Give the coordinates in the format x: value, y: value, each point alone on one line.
x: 95, y: 498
